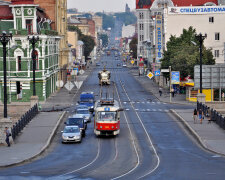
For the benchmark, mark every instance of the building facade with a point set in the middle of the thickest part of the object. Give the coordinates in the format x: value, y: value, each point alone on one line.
x: 26, y: 21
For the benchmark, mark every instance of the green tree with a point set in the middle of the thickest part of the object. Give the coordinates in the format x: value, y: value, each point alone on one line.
x: 88, y: 41
x: 126, y: 17
x: 133, y: 47
x: 104, y: 38
x: 182, y: 54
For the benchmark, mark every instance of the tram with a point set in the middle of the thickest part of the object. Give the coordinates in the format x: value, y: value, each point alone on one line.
x: 107, y: 117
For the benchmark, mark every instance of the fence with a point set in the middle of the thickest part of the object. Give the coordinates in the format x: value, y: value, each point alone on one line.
x: 24, y: 120
x: 212, y: 114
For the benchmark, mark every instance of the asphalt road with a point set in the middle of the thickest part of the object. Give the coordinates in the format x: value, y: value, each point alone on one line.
x: 152, y: 144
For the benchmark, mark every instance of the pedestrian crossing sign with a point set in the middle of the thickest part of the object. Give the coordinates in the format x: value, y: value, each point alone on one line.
x: 150, y: 75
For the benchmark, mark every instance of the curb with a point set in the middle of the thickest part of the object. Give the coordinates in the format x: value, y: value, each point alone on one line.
x: 43, y: 148
x: 190, y: 129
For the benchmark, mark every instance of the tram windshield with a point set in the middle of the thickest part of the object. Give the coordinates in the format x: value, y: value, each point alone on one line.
x: 107, y: 116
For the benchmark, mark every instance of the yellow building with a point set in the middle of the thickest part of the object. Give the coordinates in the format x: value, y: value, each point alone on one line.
x: 61, y: 26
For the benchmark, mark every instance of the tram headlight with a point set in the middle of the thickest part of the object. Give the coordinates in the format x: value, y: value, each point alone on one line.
x: 100, y: 126
x: 112, y: 127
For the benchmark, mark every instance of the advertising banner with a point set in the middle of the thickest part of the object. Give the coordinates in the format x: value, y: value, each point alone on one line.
x: 175, y: 77
x: 159, y: 38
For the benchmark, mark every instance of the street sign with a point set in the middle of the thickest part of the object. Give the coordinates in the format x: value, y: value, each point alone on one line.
x: 175, y: 77
x: 165, y: 70
x: 157, y: 73
x: 81, y: 71
x: 69, y: 86
x: 59, y: 83
x: 150, y: 75
x: 78, y: 84
x: 132, y: 62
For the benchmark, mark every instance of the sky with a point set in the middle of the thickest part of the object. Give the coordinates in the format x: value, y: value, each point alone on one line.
x: 100, y: 5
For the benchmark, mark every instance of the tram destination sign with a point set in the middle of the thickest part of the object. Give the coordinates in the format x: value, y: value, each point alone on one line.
x: 213, y: 76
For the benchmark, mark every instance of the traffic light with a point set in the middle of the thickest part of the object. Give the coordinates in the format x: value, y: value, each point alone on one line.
x: 18, y: 87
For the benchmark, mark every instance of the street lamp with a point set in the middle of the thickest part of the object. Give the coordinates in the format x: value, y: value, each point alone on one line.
x: 33, y: 41
x: 201, y: 39
x: 4, y: 40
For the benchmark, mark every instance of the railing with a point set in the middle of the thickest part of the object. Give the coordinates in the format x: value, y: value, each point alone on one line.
x: 212, y: 114
x: 24, y: 120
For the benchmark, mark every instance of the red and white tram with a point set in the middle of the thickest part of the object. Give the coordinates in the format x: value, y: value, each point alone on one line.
x: 107, y: 117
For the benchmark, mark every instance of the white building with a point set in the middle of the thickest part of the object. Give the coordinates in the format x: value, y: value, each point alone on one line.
x: 128, y: 31
x: 205, y: 19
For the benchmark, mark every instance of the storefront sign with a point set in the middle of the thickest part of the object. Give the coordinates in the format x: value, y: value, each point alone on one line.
x: 159, y: 38
x: 196, y: 10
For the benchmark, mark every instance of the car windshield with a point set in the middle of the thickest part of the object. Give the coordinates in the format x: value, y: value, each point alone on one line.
x: 87, y: 100
x: 74, y: 121
x: 82, y: 111
x: 68, y: 129
x: 107, y: 116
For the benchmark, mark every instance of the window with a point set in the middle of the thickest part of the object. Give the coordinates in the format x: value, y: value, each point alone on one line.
x: 217, y: 36
x: 211, y: 19
x: 29, y: 26
x: 19, y: 63
x: 217, y: 53
x: 141, y: 15
x: 141, y: 26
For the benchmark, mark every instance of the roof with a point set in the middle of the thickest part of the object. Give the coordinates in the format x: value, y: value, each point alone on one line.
x: 192, y: 2
x: 146, y: 4
x: 14, y: 2
x: 5, y: 12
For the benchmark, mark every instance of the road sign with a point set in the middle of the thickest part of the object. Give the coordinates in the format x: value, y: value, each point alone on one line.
x: 69, y: 86
x: 78, y: 84
x: 157, y: 73
x: 81, y: 71
x: 59, y: 83
x: 150, y: 75
x: 165, y: 70
x: 132, y: 62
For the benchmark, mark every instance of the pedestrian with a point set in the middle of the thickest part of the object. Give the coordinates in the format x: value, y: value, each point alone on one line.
x: 195, y: 115
x: 160, y: 91
x: 173, y: 92
x: 7, y: 133
x: 200, y: 115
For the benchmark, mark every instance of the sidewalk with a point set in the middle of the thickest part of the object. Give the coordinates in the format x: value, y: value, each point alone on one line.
x: 210, y: 136
x: 37, y: 135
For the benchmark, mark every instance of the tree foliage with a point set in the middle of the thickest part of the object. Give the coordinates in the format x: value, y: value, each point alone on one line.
x: 126, y: 17
x: 104, y: 38
x: 88, y: 41
x: 133, y: 47
x: 182, y: 53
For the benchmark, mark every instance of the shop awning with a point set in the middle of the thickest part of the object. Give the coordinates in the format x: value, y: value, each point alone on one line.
x: 187, y: 84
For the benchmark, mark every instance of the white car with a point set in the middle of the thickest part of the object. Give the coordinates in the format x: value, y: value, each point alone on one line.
x: 124, y: 65
x: 71, y: 134
x: 85, y: 114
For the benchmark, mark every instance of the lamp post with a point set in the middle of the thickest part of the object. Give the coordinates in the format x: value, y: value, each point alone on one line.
x: 4, y: 38
x: 201, y: 39
x: 33, y: 41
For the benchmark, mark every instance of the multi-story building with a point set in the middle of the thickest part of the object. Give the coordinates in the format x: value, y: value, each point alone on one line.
x: 25, y: 18
x: 57, y: 12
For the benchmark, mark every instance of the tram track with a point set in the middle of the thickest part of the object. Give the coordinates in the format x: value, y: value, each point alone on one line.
x: 147, y: 134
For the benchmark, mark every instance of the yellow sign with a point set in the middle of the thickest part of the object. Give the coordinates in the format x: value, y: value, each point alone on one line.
x: 132, y: 62
x: 150, y: 75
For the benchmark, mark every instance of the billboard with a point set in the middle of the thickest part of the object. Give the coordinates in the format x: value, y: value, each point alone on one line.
x: 175, y: 77
x: 143, y: 4
x: 159, y: 38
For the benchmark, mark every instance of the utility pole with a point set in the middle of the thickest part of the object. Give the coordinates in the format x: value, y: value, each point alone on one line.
x: 33, y: 41
x: 4, y: 40
x: 201, y: 39
x: 170, y: 83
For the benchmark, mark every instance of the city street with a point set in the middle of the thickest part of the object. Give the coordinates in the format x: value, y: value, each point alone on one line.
x: 152, y: 143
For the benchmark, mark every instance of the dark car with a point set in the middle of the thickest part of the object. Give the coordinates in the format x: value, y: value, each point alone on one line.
x: 98, y: 64
x: 77, y: 120
x: 118, y: 64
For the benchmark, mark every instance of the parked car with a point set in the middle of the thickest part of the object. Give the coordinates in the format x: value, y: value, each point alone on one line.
x: 85, y: 113
x: 77, y: 120
x: 124, y: 65
x: 71, y: 134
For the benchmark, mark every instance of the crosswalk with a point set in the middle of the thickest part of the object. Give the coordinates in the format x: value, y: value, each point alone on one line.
x: 147, y: 110
x: 142, y: 102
